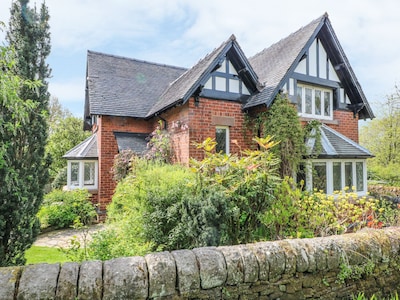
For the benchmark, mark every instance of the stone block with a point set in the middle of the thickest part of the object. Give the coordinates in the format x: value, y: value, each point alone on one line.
x: 261, y: 256
x: 125, y: 278
x: 251, y: 267
x: 188, y: 273
x: 234, y: 264
x: 290, y: 256
x: 90, y: 284
x: 8, y: 279
x: 68, y: 281
x: 162, y: 274
x: 38, y: 282
x: 212, y: 267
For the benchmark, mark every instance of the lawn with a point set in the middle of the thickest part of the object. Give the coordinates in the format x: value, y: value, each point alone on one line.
x: 38, y: 254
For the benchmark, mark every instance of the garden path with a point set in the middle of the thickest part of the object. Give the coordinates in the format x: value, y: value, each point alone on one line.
x: 61, y: 238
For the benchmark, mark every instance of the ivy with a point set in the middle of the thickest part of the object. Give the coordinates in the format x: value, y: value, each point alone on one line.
x: 311, y: 131
x: 282, y: 122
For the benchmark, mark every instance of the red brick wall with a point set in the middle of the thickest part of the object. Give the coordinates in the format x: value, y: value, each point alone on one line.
x: 177, y: 120
x: 202, y: 119
x: 346, y: 125
x: 108, y: 148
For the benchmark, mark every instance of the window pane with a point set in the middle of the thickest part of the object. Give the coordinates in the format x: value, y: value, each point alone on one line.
x: 75, y: 173
x: 348, y: 174
x: 89, y: 173
x: 317, y: 102
x: 221, y: 139
x: 220, y: 83
x: 360, y: 176
x: 337, y: 176
x: 308, y: 101
x: 327, y: 103
x: 301, y: 177
x: 319, y: 176
x: 299, y: 99
x: 245, y: 91
x: 234, y: 85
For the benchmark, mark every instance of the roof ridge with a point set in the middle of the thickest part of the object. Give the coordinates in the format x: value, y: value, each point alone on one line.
x: 136, y: 60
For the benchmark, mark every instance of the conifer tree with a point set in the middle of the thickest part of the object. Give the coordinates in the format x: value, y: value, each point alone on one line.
x: 25, y: 167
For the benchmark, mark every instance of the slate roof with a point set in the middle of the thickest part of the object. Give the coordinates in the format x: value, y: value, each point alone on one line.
x: 85, y: 150
x: 275, y: 64
x: 336, y: 145
x: 119, y: 86
x: 134, y: 141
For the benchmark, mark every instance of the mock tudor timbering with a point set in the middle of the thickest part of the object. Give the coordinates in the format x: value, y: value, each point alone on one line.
x: 127, y: 98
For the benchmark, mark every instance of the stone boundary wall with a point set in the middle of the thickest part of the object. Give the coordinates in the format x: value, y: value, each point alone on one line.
x: 286, y: 269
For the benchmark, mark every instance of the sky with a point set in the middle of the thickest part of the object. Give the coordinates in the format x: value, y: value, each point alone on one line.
x: 181, y: 32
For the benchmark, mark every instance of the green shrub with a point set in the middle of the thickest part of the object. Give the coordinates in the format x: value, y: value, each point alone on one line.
x: 61, y: 209
x: 296, y: 213
x: 248, y: 182
x: 144, y: 211
x: 217, y: 201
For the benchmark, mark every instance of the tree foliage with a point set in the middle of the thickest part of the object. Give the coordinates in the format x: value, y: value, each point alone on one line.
x: 382, y: 137
x: 23, y: 129
x: 65, y: 133
x: 19, y: 205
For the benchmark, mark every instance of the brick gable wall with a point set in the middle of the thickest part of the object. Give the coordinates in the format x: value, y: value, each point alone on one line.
x: 210, y: 113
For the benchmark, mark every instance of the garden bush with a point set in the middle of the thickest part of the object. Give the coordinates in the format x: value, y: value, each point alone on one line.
x: 217, y: 201
x: 61, y: 209
x: 297, y: 213
x: 144, y: 211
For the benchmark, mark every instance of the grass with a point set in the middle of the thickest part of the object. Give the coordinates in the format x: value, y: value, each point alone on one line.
x: 51, y: 255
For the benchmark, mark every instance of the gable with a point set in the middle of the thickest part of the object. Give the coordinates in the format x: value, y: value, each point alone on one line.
x: 315, y: 62
x: 311, y: 55
x: 192, y: 82
x: 225, y: 83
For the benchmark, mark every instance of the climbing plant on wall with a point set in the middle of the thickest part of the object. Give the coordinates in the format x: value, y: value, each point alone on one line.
x: 282, y: 122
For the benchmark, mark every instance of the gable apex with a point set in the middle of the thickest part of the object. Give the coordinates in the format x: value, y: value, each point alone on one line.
x: 191, y: 82
x: 275, y: 65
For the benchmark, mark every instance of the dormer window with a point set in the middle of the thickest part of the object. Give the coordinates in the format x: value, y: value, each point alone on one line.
x: 314, y: 102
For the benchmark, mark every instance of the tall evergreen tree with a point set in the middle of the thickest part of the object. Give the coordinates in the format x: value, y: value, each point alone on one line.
x: 26, y: 167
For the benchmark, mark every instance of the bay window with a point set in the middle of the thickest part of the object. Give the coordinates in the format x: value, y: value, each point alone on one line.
x: 82, y: 174
x: 329, y: 176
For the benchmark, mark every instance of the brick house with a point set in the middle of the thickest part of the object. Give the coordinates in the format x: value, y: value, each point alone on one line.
x: 126, y: 99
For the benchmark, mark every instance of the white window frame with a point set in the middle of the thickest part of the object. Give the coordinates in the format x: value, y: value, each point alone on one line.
x: 81, y: 173
x: 226, y: 128
x: 303, y: 103
x: 329, y: 174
